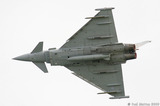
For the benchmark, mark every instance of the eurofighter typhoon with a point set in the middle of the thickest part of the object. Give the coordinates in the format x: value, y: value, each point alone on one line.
x: 92, y: 54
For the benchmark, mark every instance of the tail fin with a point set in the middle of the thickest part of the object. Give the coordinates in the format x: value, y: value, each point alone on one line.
x: 38, y: 48
x: 141, y: 44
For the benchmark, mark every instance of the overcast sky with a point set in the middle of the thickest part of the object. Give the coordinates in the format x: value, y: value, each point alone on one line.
x: 23, y: 23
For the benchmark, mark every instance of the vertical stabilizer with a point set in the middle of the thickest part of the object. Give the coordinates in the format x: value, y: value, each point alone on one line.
x: 141, y: 44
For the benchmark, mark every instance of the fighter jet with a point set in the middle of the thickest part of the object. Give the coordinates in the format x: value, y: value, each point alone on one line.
x: 92, y: 54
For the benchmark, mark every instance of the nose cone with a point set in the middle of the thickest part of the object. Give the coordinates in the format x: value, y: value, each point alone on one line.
x: 23, y: 57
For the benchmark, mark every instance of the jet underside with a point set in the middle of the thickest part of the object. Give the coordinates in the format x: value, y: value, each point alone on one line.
x: 92, y: 54
x: 108, y: 54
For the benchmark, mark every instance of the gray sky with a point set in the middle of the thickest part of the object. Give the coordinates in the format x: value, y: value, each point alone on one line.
x: 23, y: 23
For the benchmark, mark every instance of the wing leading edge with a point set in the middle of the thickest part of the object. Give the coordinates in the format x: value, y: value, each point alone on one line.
x: 99, y: 30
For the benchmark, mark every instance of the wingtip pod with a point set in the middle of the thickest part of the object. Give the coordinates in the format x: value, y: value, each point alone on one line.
x: 106, y: 8
x: 141, y: 44
x: 119, y: 97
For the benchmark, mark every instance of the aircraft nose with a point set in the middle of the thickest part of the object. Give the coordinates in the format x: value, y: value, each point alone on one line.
x: 23, y: 57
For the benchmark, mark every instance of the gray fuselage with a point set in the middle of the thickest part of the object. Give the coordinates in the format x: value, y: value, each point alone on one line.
x: 110, y: 54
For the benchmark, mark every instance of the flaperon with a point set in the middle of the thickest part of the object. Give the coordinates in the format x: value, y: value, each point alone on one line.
x: 92, y: 53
